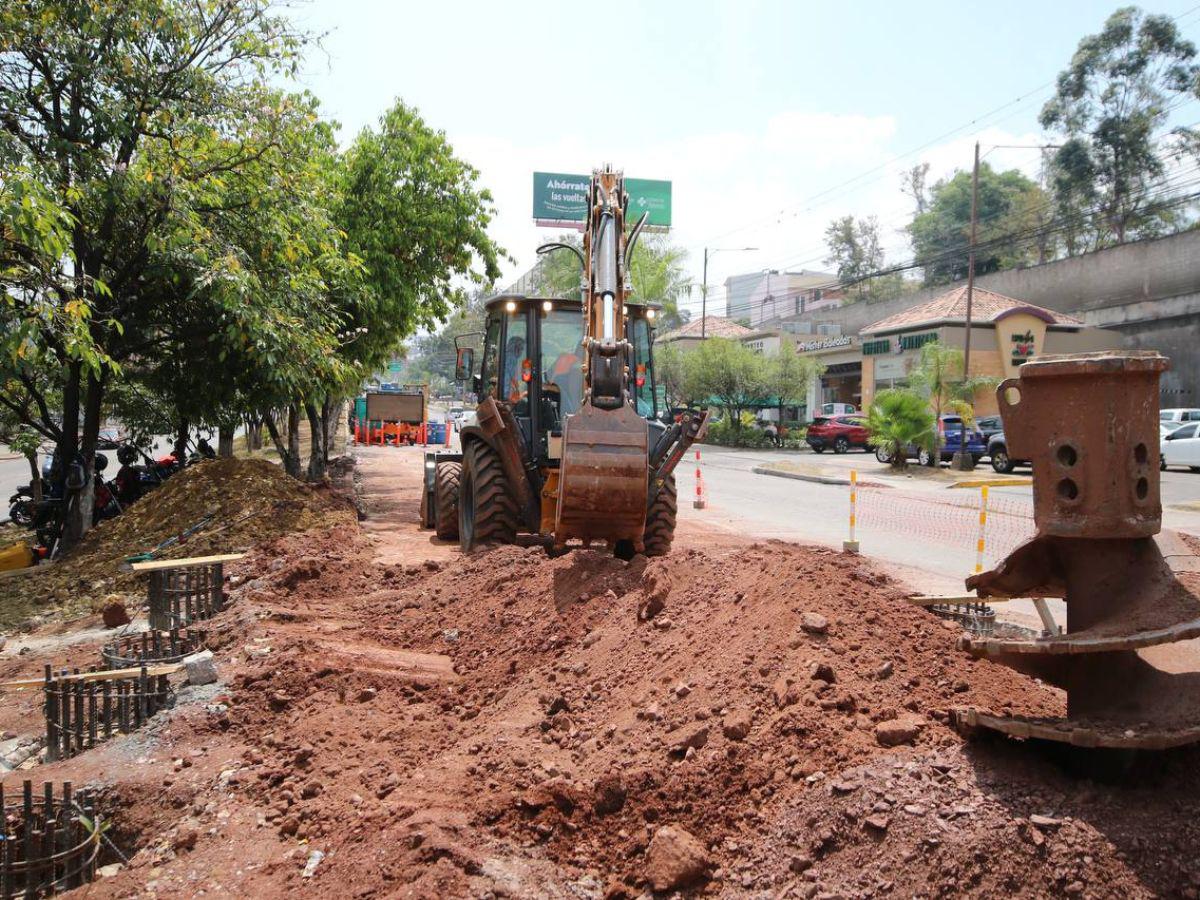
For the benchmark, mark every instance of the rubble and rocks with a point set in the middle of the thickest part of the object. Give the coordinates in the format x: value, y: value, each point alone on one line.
x: 550, y: 751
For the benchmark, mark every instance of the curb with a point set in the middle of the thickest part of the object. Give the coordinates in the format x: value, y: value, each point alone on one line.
x: 799, y: 476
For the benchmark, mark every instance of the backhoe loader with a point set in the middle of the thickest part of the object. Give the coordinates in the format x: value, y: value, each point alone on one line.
x: 566, y: 442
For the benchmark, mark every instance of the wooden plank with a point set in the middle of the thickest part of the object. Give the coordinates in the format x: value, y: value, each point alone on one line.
x: 27, y: 570
x: 185, y: 562
x: 957, y: 600
x: 26, y: 684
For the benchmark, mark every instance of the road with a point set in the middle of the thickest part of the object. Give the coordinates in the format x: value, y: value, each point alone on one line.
x: 924, y: 531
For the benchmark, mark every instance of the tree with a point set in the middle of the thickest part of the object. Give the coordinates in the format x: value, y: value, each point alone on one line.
x: 899, y: 419
x: 116, y: 109
x: 855, y: 247
x: 656, y: 272
x: 938, y: 377
x: 729, y: 372
x: 913, y: 184
x: 941, y: 235
x: 789, y: 375
x: 1110, y: 103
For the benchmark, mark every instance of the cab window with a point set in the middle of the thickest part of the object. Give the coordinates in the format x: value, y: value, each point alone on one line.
x: 643, y: 372
x: 491, y: 358
x: 518, y: 367
x: 562, y: 360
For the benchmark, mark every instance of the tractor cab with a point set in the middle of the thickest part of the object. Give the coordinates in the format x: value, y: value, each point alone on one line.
x: 533, y: 362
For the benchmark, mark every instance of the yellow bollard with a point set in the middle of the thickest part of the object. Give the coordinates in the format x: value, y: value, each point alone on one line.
x: 851, y: 546
x: 983, y: 495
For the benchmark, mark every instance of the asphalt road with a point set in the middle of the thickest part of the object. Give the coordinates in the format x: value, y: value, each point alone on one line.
x: 923, y: 531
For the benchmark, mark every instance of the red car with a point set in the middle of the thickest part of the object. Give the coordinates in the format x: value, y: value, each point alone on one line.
x: 837, y: 432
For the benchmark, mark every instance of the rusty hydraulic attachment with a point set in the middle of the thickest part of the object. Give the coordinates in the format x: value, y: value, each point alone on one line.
x: 1088, y: 423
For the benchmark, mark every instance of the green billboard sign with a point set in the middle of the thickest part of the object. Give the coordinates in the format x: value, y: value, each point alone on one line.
x: 563, y: 198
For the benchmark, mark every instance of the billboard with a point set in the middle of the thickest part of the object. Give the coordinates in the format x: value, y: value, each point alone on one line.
x: 563, y: 198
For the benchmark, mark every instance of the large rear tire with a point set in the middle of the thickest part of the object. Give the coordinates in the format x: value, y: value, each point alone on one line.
x: 445, y: 499
x: 660, y: 520
x: 487, y: 513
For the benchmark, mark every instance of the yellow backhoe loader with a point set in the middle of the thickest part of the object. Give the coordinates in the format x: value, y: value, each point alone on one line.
x: 568, y: 440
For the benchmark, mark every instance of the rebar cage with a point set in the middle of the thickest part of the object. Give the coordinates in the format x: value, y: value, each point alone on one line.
x: 48, y: 842
x: 180, y: 596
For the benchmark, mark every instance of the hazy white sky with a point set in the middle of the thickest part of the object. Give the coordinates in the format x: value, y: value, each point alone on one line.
x: 758, y: 112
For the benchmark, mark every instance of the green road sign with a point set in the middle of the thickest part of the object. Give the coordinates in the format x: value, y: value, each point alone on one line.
x: 563, y: 198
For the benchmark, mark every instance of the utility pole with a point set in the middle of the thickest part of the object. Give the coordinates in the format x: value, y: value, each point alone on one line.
x: 704, y: 284
x: 962, y: 459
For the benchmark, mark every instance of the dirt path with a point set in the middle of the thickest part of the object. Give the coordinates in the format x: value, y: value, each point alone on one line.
x: 737, y: 719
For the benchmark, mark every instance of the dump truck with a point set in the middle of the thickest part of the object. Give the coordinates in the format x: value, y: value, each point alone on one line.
x: 566, y: 443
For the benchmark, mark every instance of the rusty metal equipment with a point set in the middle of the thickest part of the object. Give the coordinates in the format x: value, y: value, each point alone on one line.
x: 82, y: 712
x: 49, y: 840
x: 152, y: 648
x: 1089, y: 425
x: 183, y: 594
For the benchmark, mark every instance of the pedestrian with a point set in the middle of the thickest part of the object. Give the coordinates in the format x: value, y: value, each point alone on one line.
x: 772, y: 434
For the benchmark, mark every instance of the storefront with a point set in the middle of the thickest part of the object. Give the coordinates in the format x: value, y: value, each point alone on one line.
x: 841, y: 381
x: 1004, y: 334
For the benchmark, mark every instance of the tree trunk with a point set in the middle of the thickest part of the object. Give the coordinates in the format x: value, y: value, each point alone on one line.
x: 181, y: 441
x: 68, y: 443
x: 317, y: 450
x: 225, y: 441
x: 254, y: 426
x: 80, y: 502
x: 35, y: 477
x: 292, y: 464
x: 330, y: 423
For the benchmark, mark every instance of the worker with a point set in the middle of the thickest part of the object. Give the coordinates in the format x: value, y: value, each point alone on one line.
x: 513, y: 358
x: 567, y: 374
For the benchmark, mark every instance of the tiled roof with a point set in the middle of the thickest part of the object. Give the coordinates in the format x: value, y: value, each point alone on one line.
x: 715, y: 326
x: 986, y: 306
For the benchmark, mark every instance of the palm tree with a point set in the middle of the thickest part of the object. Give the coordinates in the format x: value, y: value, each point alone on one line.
x: 897, y: 420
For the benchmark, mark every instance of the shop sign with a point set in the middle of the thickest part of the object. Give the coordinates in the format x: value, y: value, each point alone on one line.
x: 828, y: 344
x: 916, y: 341
x: 1024, y: 346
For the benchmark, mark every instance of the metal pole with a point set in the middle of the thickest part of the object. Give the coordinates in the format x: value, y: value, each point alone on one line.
x: 704, y: 297
x: 961, y: 458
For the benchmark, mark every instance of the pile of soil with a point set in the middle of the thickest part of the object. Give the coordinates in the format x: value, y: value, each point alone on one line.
x: 761, y: 720
x: 246, y: 501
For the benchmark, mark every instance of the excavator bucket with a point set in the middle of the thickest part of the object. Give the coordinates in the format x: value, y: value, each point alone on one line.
x: 603, y: 480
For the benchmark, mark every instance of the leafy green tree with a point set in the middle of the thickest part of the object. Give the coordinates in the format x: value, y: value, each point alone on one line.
x: 116, y: 108
x: 789, y: 375
x: 938, y: 377
x: 656, y: 272
x: 730, y: 373
x: 941, y: 235
x: 899, y: 419
x: 1110, y: 104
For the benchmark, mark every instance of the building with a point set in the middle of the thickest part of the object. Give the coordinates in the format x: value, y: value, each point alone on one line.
x: 689, y: 335
x: 1005, y: 333
x: 770, y: 295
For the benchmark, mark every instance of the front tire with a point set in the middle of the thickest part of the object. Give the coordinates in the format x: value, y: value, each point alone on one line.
x: 1001, y: 463
x: 445, y: 500
x: 487, y: 513
x: 925, y: 458
x: 660, y: 520
x: 882, y: 455
x: 841, y: 445
x: 818, y: 449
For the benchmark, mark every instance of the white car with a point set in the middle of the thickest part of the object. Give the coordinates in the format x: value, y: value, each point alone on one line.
x: 1181, y: 447
x: 1179, y: 415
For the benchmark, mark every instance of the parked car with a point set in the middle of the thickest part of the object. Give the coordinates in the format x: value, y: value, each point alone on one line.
x: 1180, y: 448
x: 838, y: 433
x: 988, y: 426
x: 950, y: 430
x: 1179, y: 415
x: 997, y: 450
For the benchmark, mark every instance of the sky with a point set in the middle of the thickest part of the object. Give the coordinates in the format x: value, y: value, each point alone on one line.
x: 769, y: 118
